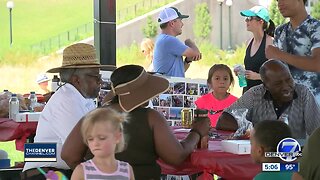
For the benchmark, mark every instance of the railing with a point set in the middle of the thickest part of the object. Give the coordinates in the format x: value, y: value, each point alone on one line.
x: 56, y: 42
x: 139, y: 9
x: 86, y: 30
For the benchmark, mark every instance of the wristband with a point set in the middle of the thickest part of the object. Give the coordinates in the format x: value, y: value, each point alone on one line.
x: 196, y: 131
x: 186, y: 61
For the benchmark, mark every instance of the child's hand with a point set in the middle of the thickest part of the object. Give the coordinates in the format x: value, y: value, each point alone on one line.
x: 235, y: 72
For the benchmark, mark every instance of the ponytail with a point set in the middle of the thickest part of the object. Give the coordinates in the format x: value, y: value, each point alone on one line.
x: 270, y: 29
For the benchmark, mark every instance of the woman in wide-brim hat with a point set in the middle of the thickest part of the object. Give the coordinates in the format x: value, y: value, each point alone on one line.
x: 148, y: 134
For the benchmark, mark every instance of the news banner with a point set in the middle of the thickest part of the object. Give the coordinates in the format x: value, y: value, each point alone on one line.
x: 288, y: 150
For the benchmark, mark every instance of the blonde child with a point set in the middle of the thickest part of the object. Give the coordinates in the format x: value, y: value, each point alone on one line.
x: 102, y: 132
x: 219, y: 80
x: 147, y: 46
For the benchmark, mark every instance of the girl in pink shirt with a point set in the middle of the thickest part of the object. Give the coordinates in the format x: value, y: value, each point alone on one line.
x: 219, y: 80
x: 102, y: 132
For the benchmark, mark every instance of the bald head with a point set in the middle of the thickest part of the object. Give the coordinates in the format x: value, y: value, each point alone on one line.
x: 272, y: 66
x: 277, y: 79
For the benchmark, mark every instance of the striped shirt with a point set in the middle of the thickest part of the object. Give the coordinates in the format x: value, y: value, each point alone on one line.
x: 92, y: 172
x: 303, y: 113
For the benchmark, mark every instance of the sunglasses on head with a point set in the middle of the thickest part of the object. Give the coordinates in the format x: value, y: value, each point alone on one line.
x: 252, y: 18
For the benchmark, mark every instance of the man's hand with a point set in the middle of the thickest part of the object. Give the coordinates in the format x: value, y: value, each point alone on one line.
x: 252, y: 75
x: 273, y: 52
x: 197, y: 58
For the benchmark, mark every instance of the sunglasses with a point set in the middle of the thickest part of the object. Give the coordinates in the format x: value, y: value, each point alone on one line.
x: 97, y: 76
x: 252, y: 18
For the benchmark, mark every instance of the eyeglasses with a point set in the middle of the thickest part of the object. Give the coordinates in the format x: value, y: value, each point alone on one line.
x: 252, y: 18
x: 97, y: 76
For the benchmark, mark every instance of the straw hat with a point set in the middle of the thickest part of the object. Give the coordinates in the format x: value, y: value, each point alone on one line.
x: 136, y: 92
x: 80, y: 55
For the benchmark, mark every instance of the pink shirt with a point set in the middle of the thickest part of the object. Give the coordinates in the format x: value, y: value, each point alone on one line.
x: 209, y: 102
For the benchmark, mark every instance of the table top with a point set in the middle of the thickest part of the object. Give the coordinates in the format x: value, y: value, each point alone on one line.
x: 214, y: 160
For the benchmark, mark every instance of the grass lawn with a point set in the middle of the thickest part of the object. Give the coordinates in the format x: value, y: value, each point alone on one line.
x: 36, y: 20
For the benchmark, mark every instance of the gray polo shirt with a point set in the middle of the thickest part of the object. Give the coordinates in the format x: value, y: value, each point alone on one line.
x: 303, y: 113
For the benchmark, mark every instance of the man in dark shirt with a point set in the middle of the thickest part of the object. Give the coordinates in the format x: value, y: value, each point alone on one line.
x: 277, y: 96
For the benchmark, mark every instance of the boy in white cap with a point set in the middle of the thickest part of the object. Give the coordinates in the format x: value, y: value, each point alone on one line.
x: 168, y: 52
x: 42, y: 80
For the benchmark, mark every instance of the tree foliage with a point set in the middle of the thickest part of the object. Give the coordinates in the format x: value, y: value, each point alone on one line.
x: 150, y: 30
x: 202, y: 27
x: 275, y: 15
x: 315, y: 11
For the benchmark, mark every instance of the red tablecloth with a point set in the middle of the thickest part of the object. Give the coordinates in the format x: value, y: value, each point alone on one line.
x: 11, y: 130
x: 214, y: 160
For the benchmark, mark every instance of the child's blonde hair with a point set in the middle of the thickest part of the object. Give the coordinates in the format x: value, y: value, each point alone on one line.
x: 147, y: 45
x: 105, y: 114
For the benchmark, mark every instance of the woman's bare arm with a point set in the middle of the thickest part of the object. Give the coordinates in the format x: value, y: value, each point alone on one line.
x: 74, y: 149
x: 167, y: 146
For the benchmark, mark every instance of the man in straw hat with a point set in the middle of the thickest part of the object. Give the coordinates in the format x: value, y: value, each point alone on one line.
x: 149, y: 136
x: 80, y: 74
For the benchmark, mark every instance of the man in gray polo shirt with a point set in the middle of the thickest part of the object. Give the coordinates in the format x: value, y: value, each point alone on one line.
x: 276, y: 96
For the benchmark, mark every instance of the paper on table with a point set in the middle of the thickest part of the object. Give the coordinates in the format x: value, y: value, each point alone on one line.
x: 236, y: 146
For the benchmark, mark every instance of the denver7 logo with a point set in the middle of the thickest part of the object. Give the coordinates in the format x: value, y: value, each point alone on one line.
x: 288, y: 149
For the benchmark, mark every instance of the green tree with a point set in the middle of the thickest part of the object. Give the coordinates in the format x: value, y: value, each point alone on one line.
x: 275, y: 15
x: 202, y: 27
x: 150, y: 30
x: 315, y: 11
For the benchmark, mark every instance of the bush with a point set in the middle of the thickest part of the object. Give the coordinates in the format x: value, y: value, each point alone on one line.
x: 202, y: 27
x: 275, y: 15
x: 213, y: 55
x: 315, y: 12
x: 150, y: 30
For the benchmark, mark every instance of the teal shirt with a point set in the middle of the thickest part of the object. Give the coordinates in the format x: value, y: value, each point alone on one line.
x: 273, y: 176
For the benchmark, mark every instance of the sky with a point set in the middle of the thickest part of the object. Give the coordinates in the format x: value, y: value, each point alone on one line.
x: 265, y: 3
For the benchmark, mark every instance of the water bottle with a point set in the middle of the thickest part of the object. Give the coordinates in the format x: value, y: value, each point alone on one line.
x: 33, y: 100
x: 55, y: 83
x: 241, y: 75
x: 13, y: 106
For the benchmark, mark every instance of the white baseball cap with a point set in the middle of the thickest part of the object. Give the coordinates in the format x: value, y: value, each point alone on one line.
x: 169, y: 14
x: 42, y: 78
